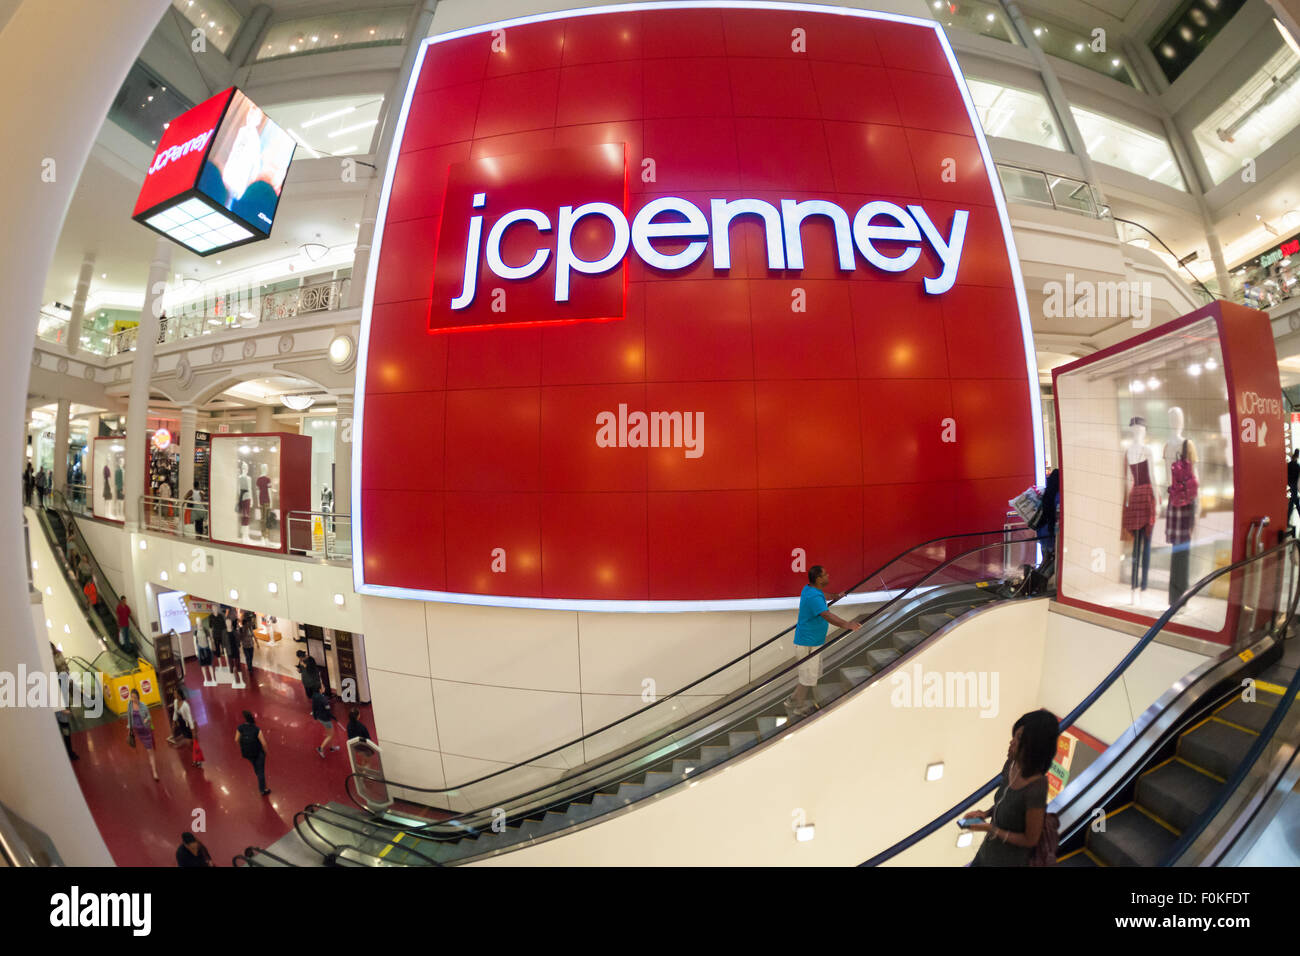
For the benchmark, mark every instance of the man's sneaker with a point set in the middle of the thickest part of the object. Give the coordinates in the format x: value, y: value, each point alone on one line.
x: 789, y: 705
x: 334, y: 748
x: 321, y: 753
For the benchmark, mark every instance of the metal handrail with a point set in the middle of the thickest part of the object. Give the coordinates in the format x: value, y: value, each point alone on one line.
x: 1068, y: 721
x: 728, y: 701
x: 13, y: 847
x: 166, y: 516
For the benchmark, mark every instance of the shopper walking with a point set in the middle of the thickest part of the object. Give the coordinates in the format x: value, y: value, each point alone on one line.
x: 92, y: 594
x: 355, y: 727
x: 810, y: 635
x: 320, y: 710
x: 192, y: 853
x: 64, y: 717
x: 311, y: 681
x: 29, y: 482
x: 1018, y: 815
x: 252, y: 747
x: 140, y: 728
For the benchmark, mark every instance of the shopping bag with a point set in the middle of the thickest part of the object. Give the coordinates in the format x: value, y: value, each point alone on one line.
x: 198, y: 754
x: 1029, y: 505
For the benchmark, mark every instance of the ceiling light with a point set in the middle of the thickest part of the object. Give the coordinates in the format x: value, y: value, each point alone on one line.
x: 1153, y: 383
x: 1038, y: 31
x: 352, y: 129
x: 989, y: 18
x: 965, y: 839
x: 1136, y: 386
x: 181, y: 567
x: 272, y: 587
x: 49, y: 623
x: 340, y: 349
x: 299, y: 403
x: 314, y: 250
x: 297, y: 577
x: 1211, y: 364
x: 144, y: 545
x: 1114, y: 62
x: 162, y: 575
x: 326, y: 117
x: 805, y: 833
x: 49, y: 590
x: 1078, y: 48
x: 68, y: 630
x: 234, y: 595
x: 338, y: 599
x: 934, y: 771
x: 1194, y: 369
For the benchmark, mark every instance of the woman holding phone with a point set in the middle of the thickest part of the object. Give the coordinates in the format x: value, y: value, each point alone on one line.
x: 1014, y: 824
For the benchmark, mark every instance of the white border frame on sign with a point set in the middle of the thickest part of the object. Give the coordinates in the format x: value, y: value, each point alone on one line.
x: 564, y: 604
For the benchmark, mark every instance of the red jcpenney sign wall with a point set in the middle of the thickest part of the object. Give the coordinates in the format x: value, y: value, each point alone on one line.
x: 663, y: 298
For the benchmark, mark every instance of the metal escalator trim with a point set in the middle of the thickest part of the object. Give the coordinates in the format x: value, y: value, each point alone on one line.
x: 1004, y: 540
x: 756, y: 697
x: 1163, y: 763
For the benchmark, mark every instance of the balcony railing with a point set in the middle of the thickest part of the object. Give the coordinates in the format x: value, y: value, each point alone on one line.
x: 320, y: 533
x: 1021, y: 184
x: 317, y: 297
x: 185, y: 519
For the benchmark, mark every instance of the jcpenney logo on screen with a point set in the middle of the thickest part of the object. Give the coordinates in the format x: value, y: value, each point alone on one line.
x: 670, y: 218
x: 173, y: 153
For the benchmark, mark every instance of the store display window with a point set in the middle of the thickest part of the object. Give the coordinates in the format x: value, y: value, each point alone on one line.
x: 108, y: 478
x: 1165, y: 457
x: 255, y: 481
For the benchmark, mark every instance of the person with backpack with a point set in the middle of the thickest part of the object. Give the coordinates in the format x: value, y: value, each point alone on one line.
x: 355, y: 727
x: 252, y: 747
x: 1017, y: 822
x: 311, y: 681
x: 321, y: 710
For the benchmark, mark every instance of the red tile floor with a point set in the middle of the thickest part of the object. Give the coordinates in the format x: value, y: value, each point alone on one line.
x: 142, y: 820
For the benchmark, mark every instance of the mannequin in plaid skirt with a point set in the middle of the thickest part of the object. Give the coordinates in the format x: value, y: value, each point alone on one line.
x: 1139, y: 502
x: 1180, y: 520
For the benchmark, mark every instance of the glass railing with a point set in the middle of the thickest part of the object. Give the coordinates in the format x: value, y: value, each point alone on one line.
x: 322, y: 534
x: 1131, y: 708
x: 175, y: 516
x: 956, y: 572
x: 1021, y: 184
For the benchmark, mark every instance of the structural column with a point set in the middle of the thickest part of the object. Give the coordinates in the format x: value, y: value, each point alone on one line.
x: 60, y: 478
x: 343, y: 456
x: 189, y: 425
x: 264, y: 420
x: 137, y: 411
x: 79, y: 303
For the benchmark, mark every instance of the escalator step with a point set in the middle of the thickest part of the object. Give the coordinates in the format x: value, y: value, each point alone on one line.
x: 657, y: 780
x: 1079, y: 857
x: 742, y: 739
x: 770, y: 724
x: 1131, y: 839
x: 712, y: 754
x: 856, y: 675
x: 1252, y: 716
x: 882, y: 657
x: 1177, y: 793
x: 906, y: 640
x: 929, y: 623
x: 684, y: 767
x: 826, y: 693
x: 1215, y: 746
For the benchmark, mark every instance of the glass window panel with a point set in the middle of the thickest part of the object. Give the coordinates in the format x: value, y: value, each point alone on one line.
x: 1024, y: 185
x: 338, y: 31
x: 974, y: 16
x: 319, y: 125
x: 1118, y: 144
x: 1013, y: 113
x: 1261, y: 111
x: 1069, y: 44
x: 218, y: 20
x: 1188, y: 31
x: 145, y: 104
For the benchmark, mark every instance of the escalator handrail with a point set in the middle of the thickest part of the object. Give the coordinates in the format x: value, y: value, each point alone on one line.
x: 1159, y: 625
x: 692, y: 718
x: 102, y: 583
x: 246, y: 858
x: 307, y: 813
x: 1244, y: 766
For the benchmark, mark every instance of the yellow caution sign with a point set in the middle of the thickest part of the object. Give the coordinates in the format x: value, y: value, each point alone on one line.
x: 317, y: 533
x: 117, y: 689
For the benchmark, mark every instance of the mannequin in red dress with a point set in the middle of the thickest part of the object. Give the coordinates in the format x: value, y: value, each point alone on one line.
x: 1139, y: 502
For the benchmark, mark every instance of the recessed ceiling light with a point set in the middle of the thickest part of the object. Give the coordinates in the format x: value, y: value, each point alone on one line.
x: 934, y: 771
x: 338, y: 599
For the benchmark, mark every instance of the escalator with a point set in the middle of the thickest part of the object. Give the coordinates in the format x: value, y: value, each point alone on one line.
x: 913, y: 597
x: 61, y: 531
x: 1190, y: 780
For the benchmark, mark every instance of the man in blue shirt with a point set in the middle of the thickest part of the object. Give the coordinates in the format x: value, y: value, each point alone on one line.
x: 810, y: 635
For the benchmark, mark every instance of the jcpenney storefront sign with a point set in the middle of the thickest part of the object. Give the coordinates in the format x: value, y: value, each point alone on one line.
x: 671, y: 218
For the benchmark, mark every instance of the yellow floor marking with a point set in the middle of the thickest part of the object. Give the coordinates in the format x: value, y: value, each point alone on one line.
x: 1247, y: 730
x: 1155, y: 768
x: 1147, y: 813
x: 1199, y: 769
x: 1275, y: 689
x: 397, y: 839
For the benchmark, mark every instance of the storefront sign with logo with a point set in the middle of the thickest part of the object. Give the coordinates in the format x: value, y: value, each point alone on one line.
x: 685, y: 300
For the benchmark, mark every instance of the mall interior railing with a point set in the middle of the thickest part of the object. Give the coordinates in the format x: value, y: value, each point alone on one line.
x: 1041, y: 188
x: 234, y: 313
x: 176, y: 516
x: 959, y: 568
x: 22, y: 844
x: 1265, y: 588
x: 57, y: 520
x: 323, y: 534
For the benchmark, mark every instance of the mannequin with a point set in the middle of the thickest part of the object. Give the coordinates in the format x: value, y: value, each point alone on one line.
x: 1139, y: 502
x: 269, y: 523
x: 119, y: 506
x: 1180, y: 518
x: 108, y: 491
x: 244, y: 499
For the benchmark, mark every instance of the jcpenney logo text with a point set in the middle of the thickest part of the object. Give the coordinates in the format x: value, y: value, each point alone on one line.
x: 173, y: 153
x: 874, y: 222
